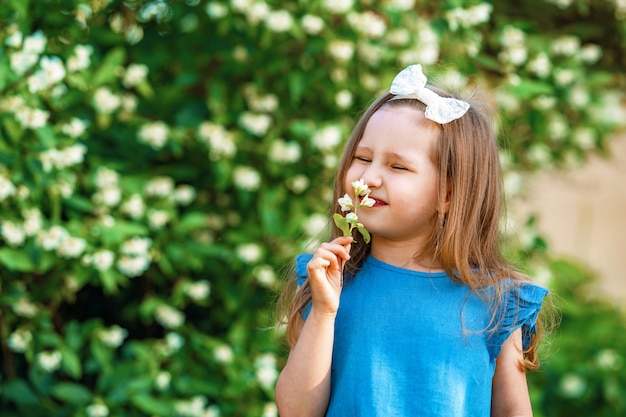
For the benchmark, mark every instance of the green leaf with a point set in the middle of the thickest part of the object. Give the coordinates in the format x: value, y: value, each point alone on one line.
x: 71, y: 363
x: 365, y: 233
x: 16, y: 260
x: 20, y: 392
x: 72, y: 393
x: 151, y: 405
x: 342, y: 224
x: 107, y: 70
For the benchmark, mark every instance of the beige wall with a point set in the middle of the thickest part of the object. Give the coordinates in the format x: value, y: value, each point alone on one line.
x: 583, y: 215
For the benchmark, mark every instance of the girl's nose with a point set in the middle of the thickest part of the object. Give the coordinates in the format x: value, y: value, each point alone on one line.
x: 372, y: 177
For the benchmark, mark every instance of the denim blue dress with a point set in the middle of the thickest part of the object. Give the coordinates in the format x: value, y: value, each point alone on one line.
x: 410, y: 343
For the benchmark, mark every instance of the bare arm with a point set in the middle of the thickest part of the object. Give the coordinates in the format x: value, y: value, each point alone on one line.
x: 510, y: 396
x: 303, y: 387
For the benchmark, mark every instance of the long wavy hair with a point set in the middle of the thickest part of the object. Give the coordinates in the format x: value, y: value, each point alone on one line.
x: 465, y: 241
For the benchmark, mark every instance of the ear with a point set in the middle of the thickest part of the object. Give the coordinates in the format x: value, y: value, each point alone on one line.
x: 446, y: 203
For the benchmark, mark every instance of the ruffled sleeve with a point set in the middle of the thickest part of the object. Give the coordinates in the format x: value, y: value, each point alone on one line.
x: 520, y: 307
x: 301, y: 276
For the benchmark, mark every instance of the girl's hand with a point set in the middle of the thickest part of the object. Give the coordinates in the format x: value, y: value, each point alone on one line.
x: 325, y: 272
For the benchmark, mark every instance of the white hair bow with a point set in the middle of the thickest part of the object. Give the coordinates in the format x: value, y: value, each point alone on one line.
x: 411, y: 83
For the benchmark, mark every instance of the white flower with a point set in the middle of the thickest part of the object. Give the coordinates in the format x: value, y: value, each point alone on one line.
x: 110, y: 196
x: 74, y: 128
x: 403, y: 5
x: 216, y: 10
x: 32, y: 118
x: 540, y: 65
x: 169, y: 317
x: 316, y: 223
x: 52, y: 72
x: 249, y: 252
x: 32, y: 221
x: 298, y: 183
x: 35, y: 43
x: 279, y: 21
x: 134, y: 206
x: 219, y: 140
x: 184, y: 194
x: 367, y: 201
x: 352, y: 217
x: 7, y: 188
x: 590, y: 53
x: 191, y: 408
x: 13, y: 233
x: 14, y: 40
x: 49, y: 361
x: 159, y: 187
x: 341, y: 50
x: 284, y: 152
x: 51, y: 239
x: 223, y: 354
x: 199, y: 290
x: 265, y: 275
x: 105, y: 101
x: 564, y: 77
x: 162, y: 380
x: 338, y: 6
x: 257, y: 124
x: 71, y: 247
x: 154, y: 134
x: 327, y: 138
x: 568, y: 45
x: 368, y: 23
x: 398, y: 37
x: 246, y: 178
x: 135, y: 74
x: 270, y: 410
x: 113, y: 336
x: 97, y: 410
x: 158, y: 218
x: 609, y: 359
x: 23, y: 61
x: 81, y: 58
x: 103, y: 259
x: 360, y: 188
x: 343, y: 99
x: 266, y: 370
x: 346, y: 203
x: 133, y: 266
x: 24, y: 308
x: 19, y: 340
x: 106, y: 178
x: 579, y: 96
x: 313, y: 25
x: 572, y: 385
x: 136, y: 246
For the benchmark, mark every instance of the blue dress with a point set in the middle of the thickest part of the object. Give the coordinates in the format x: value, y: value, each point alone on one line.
x: 410, y: 343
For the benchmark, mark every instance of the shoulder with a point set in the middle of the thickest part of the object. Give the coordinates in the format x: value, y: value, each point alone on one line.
x: 301, y: 262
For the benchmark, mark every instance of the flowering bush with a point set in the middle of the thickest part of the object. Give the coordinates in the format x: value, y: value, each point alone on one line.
x: 158, y: 159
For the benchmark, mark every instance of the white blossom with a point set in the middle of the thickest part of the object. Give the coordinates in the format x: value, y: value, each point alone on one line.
x: 71, y: 247
x: 270, y: 410
x: 584, y: 137
x: 135, y: 74
x: 49, y: 361
x: 341, y: 50
x: 219, y: 140
x: 169, y: 317
x: 338, y: 6
x: 343, y: 99
x: 32, y: 221
x: 216, y: 10
x: 327, y: 138
x: 198, y: 290
x: 564, y: 76
x: 13, y: 233
x: 567, y: 45
x: 24, y: 308
x: 540, y: 65
x: 52, y: 72
x: 279, y: 20
x: 14, y: 40
x: 133, y: 266
x: 158, y: 218
x: 313, y: 25
x: 97, y: 410
x: 106, y: 177
x: 223, y: 354
x: 368, y: 23
x: 184, y: 194
x: 265, y: 275
x: 51, y: 239
x: 7, y: 189
x: 19, y: 340
x: 572, y: 385
x: 154, y: 134
x: 136, y: 246
x: 105, y: 101
x: 134, y: 206
x: 23, y: 61
x: 74, y: 128
x: 113, y: 336
x: 81, y: 58
x: 298, y: 183
x: 32, y: 118
x: 109, y: 196
x: 284, y: 152
x: 249, y: 252
x: 159, y: 187
x: 590, y: 53
x: 246, y: 178
x: 35, y: 43
x: 103, y: 259
x: 255, y: 123
x: 162, y: 380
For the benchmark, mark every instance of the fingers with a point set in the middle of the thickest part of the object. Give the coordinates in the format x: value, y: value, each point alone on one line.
x: 331, y: 255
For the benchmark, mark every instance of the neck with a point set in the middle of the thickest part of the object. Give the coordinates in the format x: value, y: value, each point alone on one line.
x: 408, y: 255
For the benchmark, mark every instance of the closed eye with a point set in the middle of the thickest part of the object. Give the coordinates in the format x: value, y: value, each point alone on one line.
x: 363, y: 159
x: 399, y: 167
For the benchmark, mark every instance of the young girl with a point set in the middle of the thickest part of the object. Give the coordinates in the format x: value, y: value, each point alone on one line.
x: 426, y: 319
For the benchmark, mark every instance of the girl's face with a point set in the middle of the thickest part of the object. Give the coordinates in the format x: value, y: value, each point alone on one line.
x: 394, y: 159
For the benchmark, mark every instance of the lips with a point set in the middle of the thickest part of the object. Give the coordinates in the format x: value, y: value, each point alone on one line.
x: 379, y: 202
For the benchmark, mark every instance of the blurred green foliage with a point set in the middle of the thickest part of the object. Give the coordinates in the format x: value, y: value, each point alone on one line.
x: 161, y: 160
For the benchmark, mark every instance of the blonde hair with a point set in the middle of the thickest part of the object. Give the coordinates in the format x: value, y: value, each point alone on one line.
x: 465, y: 240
